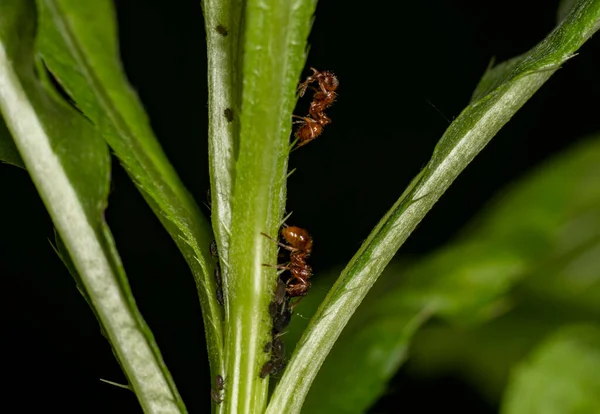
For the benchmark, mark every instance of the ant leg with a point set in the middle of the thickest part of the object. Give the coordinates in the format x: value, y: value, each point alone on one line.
x: 324, y: 119
x: 280, y: 244
x: 304, y: 119
x: 309, y: 79
x: 278, y: 266
x: 304, y: 85
x: 291, y: 306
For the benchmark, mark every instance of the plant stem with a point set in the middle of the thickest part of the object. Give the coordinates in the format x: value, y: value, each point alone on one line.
x: 274, y: 54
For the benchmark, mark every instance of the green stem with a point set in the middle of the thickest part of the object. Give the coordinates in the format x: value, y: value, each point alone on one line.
x: 274, y: 54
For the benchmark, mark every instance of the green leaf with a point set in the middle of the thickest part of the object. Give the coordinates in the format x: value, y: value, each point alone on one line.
x: 274, y: 52
x: 532, y: 233
x: 553, y: 219
x: 69, y: 164
x: 561, y: 376
x: 222, y: 20
x: 463, y: 140
x: 78, y: 42
x: 8, y: 151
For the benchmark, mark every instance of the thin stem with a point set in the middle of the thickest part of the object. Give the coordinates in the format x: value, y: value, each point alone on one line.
x: 274, y: 53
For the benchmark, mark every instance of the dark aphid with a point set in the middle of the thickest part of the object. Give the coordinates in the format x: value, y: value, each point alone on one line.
x: 278, y: 366
x: 266, y: 369
x: 214, y: 251
x: 216, y: 397
x: 219, y: 294
x: 228, y: 114
x: 221, y: 30
x: 279, y: 292
x: 273, y: 309
x: 282, y: 320
x: 278, y: 349
x: 220, y: 382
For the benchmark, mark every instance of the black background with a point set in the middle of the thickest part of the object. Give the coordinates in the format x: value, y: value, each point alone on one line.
x: 395, y: 62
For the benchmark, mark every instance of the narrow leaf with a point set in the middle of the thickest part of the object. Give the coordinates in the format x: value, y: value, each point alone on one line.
x: 543, y: 231
x: 78, y: 42
x: 463, y: 140
x: 69, y: 164
x: 222, y: 19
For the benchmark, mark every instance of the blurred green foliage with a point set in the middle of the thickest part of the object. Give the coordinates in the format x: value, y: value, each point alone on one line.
x: 561, y: 375
x: 527, y: 265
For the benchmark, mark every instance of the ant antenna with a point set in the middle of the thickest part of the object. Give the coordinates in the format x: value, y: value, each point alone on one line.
x: 301, y: 316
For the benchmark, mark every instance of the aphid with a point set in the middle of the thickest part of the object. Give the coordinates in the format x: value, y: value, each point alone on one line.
x: 266, y: 369
x: 216, y: 394
x: 220, y: 382
x: 216, y: 397
x: 278, y: 349
x: 218, y: 277
x: 279, y: 292
x: 221, y: 30
x: 273, y: 309
x: 228, y: 114
x: 219, y: 283
x: 214, y: 251
x: 220, y: 297
x: 271, y: 367
x: 282, y: 320
x: 278, y: 367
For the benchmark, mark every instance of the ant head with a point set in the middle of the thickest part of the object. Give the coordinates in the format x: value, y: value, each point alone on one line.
x: 331, y: 82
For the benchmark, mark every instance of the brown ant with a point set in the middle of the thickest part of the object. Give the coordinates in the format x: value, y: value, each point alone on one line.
x: 327, y: 81
x: 323, y: 98
x: 299, y: 244
x: 310, y: 129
